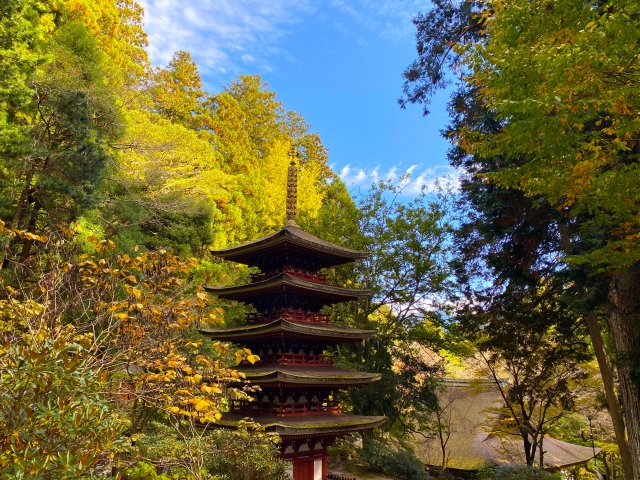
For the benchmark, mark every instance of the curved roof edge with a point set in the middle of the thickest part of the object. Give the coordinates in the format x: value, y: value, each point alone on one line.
x: 318, y: 424
x: 319, y: 330
x: 293, y: 234
x: 286, y: 279
x: 333, y: 376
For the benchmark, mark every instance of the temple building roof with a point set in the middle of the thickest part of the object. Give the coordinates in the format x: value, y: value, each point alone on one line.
x: 328, y: 376
x: 470, y: 407
x: 286, y: 329
x: 307, y: 426
x: 293, y: 245
x: 285, y: 290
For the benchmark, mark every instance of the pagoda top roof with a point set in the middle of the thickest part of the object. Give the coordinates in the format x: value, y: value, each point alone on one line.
x: 302, y: 375
x: 286, y: 328
x: 321, y: 425
x: 249, y: 253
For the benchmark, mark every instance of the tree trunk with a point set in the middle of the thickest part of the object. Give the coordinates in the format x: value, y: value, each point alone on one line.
x: 17, y: 216
x: 31, y: 228
x: 610, y: 393
x: 529, y: 455
x: 624, y: 319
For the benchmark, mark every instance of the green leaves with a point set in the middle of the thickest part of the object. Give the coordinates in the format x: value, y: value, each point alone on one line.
x: 54, y: 418
x: 562, y: 82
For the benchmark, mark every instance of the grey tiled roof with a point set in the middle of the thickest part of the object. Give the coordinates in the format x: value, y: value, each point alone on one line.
x: 292, y: 234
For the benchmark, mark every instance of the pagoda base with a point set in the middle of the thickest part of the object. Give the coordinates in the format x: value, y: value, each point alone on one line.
x: 308, y: 460
x: 305, y: 439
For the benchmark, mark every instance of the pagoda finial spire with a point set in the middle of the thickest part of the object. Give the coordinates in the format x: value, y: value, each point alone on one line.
x: 292, y: 187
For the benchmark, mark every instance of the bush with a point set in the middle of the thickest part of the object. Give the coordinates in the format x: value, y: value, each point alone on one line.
x: 191, y: 453
x: 522, y: 472
x: 402, y: 464
x: 54, y: 421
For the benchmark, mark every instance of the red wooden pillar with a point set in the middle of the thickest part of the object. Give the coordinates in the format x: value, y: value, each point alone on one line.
x: 303, y: 469
x: 325, y: 462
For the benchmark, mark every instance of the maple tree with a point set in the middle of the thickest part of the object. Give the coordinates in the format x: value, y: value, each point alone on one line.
x: 113, y: 175
x: 133, y: 321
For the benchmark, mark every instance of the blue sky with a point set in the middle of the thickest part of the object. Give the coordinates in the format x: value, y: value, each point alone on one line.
x: 336, y: 62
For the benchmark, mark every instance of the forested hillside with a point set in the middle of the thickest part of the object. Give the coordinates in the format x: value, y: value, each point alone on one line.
x: 116, y: 178
x: 91, y: 133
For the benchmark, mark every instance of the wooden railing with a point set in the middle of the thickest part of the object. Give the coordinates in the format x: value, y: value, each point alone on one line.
x: 286, y: 409
x: 288, y: 314
x: 295, y: 359
x: 307, y: 275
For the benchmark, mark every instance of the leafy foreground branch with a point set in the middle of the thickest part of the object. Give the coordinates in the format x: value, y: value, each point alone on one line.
x: 101, y: 365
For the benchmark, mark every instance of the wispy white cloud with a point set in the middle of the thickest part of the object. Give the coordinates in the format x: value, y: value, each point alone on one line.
x: 391, y: 18
x: 413, y: 183
x: 222, y: 35
x: 225, y: 35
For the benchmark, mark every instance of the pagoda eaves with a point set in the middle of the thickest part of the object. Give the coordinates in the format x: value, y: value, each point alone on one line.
x: 301, y: 426
x: 327, y: 376
x: 290, y: 246
x: 324, y: 332
x: 285, y: 290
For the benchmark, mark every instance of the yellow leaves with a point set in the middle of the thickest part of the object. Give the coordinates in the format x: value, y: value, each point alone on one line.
x: 245, y: 354
x: 210, y: 389
x: 214, y: 318
x: 203, y: 360
x: 24, y: 235
x: 194, y: 344
x: 201, y: 297
x: 221, y: 348
x: 193, y: 378
x: 166, y: 377
x: 203, y: 405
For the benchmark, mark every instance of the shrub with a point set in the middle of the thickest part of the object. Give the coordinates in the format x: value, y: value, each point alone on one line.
x: 522, y: 472
x: 402, y: 464
x: 54, y: 420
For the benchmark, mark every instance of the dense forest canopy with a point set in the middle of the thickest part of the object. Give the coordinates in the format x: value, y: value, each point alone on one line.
x: 117, y: 178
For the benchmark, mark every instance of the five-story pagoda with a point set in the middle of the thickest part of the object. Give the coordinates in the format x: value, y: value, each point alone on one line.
x: 298, y: 381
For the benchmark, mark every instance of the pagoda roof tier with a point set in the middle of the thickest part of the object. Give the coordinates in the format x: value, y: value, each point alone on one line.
x: 296, y: 375
x: 323, y: 332
x: 290, y: 246
x: 306, y: 426
x: 286, y: 291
